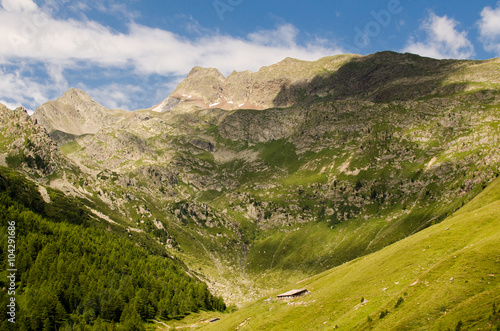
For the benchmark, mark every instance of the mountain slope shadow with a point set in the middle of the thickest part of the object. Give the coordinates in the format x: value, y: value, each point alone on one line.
x: 380, y: 77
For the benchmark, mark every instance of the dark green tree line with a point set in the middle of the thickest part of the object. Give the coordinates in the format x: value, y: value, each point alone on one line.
x: 72, y: 275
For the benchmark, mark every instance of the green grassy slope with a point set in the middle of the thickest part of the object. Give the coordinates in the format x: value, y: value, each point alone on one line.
x: 74, y: 272
x: 366, y: 182
x: 444, y: 277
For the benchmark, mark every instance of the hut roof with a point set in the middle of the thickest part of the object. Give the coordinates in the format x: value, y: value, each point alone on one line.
x: 292, y: 293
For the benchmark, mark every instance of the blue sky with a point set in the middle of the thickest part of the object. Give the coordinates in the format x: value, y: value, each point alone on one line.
x: 131, y: 54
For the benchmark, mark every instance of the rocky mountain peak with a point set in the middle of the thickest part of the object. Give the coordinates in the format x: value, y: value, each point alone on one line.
x: 208, y: 88
x: 75, y: 113
x: 29, y: 145
x: 74, y: 95
x: 21, y: 110
x: 20, y: 114
x: 198, y: 71
x: 18, y: 111
x: 203, y: 87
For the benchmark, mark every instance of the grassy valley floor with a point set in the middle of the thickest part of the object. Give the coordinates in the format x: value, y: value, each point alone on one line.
x: 444, y: 277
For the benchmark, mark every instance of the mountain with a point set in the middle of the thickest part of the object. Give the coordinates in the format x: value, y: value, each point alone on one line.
x: 76, y: 113
x: 73, y: 270
x: 312, y: 165
x: 25, y: 145
x: 442, y: 278
x: 208, y: 88
x: 385, y: 76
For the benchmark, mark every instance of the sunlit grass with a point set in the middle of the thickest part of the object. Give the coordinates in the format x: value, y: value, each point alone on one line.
x: 445, y: 275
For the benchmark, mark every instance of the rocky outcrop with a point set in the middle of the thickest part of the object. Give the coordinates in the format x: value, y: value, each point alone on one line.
x: 27, y: 145
x: 208, y: 88
x: 261, y: 126
x: 76, y: 113
x: 380, y: 77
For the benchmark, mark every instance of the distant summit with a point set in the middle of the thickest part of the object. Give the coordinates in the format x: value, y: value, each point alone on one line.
x: 208, y: 88
x: 75, y: 112
x: 380, y: 77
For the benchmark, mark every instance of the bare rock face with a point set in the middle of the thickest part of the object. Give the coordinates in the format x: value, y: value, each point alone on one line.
x: 258, y: 127
x: 203, y: 87
x: 76, y: 113
x: 380, y: 77
x: 206, y: 85
x: 208, y: 88
x: 26, y: 145
x: 11, y: 120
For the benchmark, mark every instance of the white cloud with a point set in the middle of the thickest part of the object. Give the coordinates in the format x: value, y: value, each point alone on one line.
x: 110, y: 7
x: 56, y: 73
x: 9, y: 105
x: 19, y: 5
x: 17, y: 90
x: 284, y: 36
x: 115, y: 95
x: 146, y: 50
x: 443, y: 40
x: 489, y: 29
x: 32, y: 36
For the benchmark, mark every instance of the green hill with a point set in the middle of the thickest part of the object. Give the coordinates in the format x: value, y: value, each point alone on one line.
x: 444, y: 277
x: 73, y: 272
